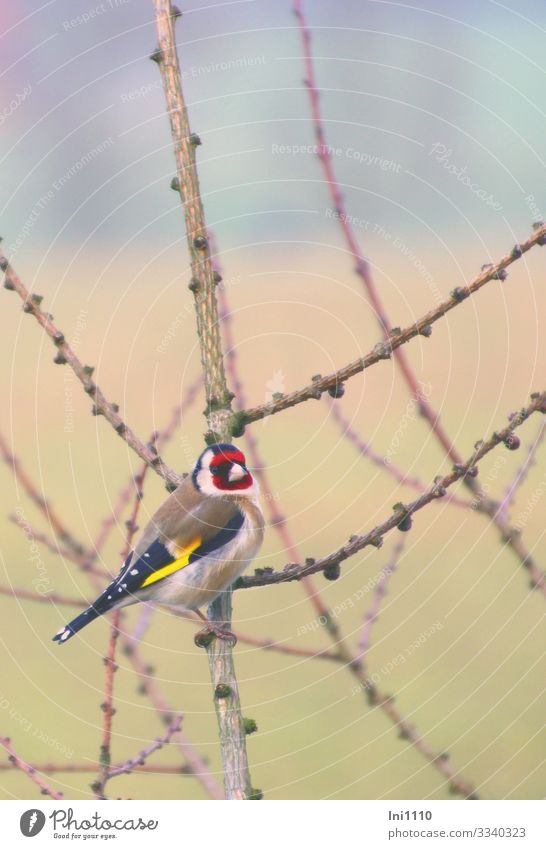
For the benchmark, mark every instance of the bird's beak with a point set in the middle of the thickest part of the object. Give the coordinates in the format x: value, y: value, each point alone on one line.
x: 237, y: 472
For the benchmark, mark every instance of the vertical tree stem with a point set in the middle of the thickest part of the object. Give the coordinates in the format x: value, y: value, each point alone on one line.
x: 203, y: 285
x: 203, y: 282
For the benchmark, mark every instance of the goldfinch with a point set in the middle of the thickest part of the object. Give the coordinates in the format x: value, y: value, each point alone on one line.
x: 195, y: 546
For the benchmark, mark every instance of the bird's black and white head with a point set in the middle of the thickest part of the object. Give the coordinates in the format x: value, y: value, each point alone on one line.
x: 221, y: 470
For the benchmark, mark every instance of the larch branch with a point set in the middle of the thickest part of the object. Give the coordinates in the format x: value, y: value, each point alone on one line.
x: 148, y: 686
x: 195, y: 765
x: 33, y: 595
x: 66, y: 356
x: 132, y: 763
x: 363, y: 270
x: 22, y: 478
x: 397, y: 337
x: 268, y: 644
x: 29, y: 770
x: 160, y: 440
x: 110, y: 659
x: 32, y: 535
x: 378, y: 594
x: 342, y: 653
x: 366, y: 450
x: 295, y: 572
x: 69, y: 767
x: 523, y: 471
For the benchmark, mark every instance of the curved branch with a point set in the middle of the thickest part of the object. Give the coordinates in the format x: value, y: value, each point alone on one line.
x: 362, y: 269
x: 351, y: 661
x: 50, y: 767
x: 140, y: 759
x: 195, y: 765
x: 366, y: 450
x: 58, y: 526
x: 107, y: 706
x: 66, y: 356
x: 295, y: 572
x: 29, y: 770
x: 379, y: 592
x: 160, y: 440
x: 523, y: 471
x: 397, y: 337
x: 33, y: 595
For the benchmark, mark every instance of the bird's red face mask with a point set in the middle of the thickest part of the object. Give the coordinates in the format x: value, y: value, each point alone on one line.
x: 229, y: 472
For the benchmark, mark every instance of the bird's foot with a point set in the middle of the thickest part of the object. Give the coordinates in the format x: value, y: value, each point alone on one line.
x: 211, y: 630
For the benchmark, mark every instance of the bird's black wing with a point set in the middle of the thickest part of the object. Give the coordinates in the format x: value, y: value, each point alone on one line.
x: 155, y: 564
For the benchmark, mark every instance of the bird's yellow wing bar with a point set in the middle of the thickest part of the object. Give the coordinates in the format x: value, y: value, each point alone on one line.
x: 182, y: 560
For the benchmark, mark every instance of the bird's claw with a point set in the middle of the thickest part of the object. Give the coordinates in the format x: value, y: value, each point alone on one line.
x: 204, y: 637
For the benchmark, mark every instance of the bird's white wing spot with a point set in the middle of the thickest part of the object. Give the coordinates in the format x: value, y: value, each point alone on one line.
x: 134, y: 571
x: 146, y: 555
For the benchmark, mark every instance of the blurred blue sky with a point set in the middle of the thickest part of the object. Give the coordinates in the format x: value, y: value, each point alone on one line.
x: 396, y: 80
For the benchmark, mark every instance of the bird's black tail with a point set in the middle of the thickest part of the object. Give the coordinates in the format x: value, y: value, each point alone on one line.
x: 76, y: 625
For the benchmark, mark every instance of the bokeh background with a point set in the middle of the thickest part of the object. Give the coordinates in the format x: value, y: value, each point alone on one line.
x: 89, y: 221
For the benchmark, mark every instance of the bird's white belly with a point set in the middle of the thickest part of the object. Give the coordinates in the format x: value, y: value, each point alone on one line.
x: 199, y: 583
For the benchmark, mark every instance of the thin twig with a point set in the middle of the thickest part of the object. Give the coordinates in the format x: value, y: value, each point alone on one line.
x: 191, y: 393
x: 66, y: 356
x: 379, y: 592
x: 150, y: 688
x: 29, y: 770
x: 32, y: 595
x: 342, y: 652
x: 108, y: 524
x: 143, y: 622
x: 384, y: 349
x: 131, y: 764
x: 219, y: 417
x: 110, y: 659
x: 363, y: 270
x: 367, y: 451
x: 362, y: 266
x: 107, y: 708
x: 50, y: 768
x: 523, y: 471
x: 268, y: 644
x: 295, y: 572
x: 287, y: 648
x: 124, y: 497
x: 34, y: 536
x: 195, y: 764
x: 386, y: 703
x: 21, y: 477
x: 351, y: 661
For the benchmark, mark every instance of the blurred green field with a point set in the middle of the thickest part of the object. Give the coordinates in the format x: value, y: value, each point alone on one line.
x: 472, y: 688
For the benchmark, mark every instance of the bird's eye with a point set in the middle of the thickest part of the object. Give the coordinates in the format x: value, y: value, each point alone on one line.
x: 221, y: 469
